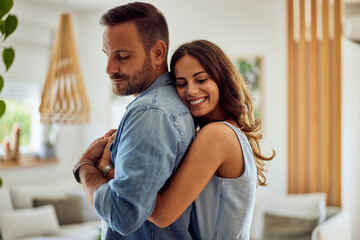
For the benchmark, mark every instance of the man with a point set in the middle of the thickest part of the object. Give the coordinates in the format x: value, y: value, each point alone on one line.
x: 154, y: 133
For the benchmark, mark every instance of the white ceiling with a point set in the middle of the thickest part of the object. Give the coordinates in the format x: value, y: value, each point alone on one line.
x: 87, y: 5
x: 81, y: 5
x: 96, y: 4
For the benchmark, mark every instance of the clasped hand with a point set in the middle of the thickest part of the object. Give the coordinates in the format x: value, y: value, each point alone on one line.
x: 98, y: 151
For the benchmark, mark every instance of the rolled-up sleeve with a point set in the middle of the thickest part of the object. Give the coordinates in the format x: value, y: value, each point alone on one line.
x: 144, y: 156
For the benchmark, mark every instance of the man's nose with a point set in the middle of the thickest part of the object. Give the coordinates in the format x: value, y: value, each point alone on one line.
x: 112, y: 67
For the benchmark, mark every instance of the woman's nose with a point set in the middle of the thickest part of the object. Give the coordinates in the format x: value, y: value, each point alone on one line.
x: 192, y: 89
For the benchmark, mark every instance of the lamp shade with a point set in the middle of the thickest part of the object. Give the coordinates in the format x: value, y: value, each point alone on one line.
x: 64, y: 98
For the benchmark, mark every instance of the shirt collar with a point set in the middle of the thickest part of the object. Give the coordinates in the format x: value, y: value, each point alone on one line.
x: 160, y: 81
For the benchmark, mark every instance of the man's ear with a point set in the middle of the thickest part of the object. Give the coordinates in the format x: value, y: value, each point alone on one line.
x: 158, y: 53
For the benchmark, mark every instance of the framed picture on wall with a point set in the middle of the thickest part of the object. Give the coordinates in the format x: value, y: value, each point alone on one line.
x: 251, y: 70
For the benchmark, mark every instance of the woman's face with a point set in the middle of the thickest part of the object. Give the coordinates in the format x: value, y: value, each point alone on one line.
x: 197, y: 90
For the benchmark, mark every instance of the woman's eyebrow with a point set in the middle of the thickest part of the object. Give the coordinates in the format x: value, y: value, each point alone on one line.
x: 195, y: 74
x: 198, y: 73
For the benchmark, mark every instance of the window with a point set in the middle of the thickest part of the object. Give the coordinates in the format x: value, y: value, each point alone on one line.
x: 22, y: 100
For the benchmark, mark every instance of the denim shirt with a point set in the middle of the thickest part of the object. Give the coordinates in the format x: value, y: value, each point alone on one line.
x: 152, y: 139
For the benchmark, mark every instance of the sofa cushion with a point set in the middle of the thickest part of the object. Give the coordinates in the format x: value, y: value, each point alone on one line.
x: 87, y: 209
x: 283, y: 228
x: 68, y: 209
x: 81, y: 231
x: 28, y: 222
x: 303, y: 206
x: 5, y: 200
x: 23, y: 196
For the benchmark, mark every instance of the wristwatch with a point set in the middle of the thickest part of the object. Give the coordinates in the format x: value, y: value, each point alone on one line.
x: 107, y: 169
x: 78, y: 165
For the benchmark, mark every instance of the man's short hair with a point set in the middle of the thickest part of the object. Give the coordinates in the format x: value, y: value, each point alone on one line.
x: 150, y: 22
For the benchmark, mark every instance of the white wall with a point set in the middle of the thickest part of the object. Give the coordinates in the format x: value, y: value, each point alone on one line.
x: 351, y: 132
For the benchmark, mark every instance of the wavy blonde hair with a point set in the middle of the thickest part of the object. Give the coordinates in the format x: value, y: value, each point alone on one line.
x: 235, y: 97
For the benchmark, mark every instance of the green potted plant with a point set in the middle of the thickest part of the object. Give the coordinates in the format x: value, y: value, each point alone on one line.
x: 8, y: 24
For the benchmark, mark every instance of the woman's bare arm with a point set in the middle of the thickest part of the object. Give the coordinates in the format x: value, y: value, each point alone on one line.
x: 209, y: 151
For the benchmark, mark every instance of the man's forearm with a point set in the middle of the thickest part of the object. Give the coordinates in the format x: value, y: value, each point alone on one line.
x: 91, y: 179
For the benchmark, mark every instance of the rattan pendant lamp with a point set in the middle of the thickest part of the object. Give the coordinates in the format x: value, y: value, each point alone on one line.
x: 64, y: 98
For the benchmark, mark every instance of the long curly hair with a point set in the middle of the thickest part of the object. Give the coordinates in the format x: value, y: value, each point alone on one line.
x: 235, y: 98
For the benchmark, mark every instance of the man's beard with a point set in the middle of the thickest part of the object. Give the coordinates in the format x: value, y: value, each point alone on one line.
x: 137, y: 83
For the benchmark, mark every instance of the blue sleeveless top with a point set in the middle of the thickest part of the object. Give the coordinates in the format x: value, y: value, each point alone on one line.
x: 224, y: 209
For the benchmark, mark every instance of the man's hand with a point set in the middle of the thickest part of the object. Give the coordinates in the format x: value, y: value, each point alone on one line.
x: 96, y: 148
x: 91, y: 178
x: 106, y: 158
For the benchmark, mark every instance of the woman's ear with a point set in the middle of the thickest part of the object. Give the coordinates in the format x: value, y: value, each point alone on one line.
x: 158, y: 53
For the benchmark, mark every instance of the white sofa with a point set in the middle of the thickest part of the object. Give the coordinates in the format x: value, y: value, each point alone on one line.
x: 275, y: 217
x: 47, y: 211
x: 299, y: 216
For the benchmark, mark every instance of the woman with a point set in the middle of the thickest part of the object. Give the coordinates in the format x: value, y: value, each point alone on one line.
x: 224, y: 164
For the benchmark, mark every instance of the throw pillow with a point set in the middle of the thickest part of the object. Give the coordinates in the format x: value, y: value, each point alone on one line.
x: 28, y: 222
x: 286, y: 228
x: 68, y: 210
x: 23, y: 196
x: 5, y: 200
x: 88, y: 211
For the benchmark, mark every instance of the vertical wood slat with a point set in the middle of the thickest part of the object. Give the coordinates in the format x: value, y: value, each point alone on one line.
x: 314, y: 104
x: 325, y: 101
x: 336, y: 113
x: 301, y: 100
x: 291, y: 89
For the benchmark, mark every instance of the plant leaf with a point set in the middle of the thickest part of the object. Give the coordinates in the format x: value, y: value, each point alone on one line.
x: 2, y: 24
x: 10, y: 25
x: 5, y: 6
x: 2, y: 107
x: 1, y: 83
x: 8, y: 57
x: 0, y: 181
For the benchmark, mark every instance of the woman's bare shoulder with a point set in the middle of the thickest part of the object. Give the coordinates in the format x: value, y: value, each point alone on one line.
x: 218, y: 131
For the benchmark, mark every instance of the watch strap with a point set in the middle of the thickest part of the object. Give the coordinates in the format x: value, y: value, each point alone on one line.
x: 78, y: 165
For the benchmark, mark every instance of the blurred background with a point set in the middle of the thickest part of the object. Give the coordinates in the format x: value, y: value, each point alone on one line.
x: 244, y: 29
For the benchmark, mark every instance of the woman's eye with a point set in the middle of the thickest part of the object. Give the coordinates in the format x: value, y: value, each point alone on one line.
x: 201, y: 80
x: 180, y: 84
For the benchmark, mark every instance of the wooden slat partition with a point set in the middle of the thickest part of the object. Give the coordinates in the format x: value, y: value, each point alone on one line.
x: 336, y: 113
x: 291, y: 86
x: 313, y: 137
x: 325, y: 101
x: 315, y: 97
x: 300, y: 110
